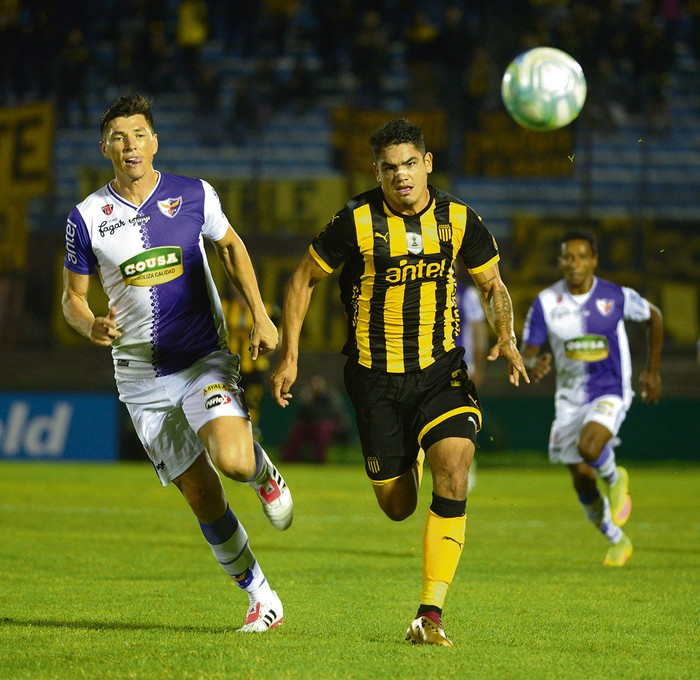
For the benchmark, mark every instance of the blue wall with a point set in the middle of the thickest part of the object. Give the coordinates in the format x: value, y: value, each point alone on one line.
x: 58, y: 426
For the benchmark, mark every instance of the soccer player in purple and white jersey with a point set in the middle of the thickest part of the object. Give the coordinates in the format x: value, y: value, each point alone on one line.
x: 582, y: 319
x: 473, y: 333
x: 143, y: 233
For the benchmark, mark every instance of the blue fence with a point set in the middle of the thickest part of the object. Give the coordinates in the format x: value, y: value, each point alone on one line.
x: 59, y: 426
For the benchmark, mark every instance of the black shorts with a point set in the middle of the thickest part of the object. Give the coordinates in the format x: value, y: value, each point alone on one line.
x: 398, y: 413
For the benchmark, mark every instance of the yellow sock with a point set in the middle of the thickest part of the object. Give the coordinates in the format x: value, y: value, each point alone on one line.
x: 443, y: 540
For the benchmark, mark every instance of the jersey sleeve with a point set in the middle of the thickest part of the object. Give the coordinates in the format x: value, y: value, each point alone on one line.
x: 336, y: 242
x: 215, y: 222
x: 636, y: 308
x: 479, y: 249
x: 535, y: 330
x: 80, y: 257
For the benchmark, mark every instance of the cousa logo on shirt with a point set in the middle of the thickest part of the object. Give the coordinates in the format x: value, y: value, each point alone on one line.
x: 589, y: 348
x: 153, y: 267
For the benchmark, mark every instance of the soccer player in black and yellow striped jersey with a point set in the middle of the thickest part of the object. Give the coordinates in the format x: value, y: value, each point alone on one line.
x: 405, y: 375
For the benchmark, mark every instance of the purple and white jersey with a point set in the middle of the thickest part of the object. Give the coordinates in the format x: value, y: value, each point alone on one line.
x: 588, y: 339
x: 470, y: 312
x: 153, y: 267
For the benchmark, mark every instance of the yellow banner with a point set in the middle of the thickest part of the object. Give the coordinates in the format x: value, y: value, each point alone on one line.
x: 13, y: 236
x: 26, y: 144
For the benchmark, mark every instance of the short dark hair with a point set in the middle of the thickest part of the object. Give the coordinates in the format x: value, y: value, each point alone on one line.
x: 125, y: 106
x: 581, y: 235
x: 398, y: 131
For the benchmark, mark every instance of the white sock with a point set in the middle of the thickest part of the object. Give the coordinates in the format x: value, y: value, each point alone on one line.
x: 597, y: 510
x: 605, y: 465
x: 229, y: 542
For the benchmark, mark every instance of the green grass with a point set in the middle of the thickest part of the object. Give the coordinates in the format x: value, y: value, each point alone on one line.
x: 104, y: 574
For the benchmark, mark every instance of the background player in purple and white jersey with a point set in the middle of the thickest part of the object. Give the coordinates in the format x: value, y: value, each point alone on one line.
x: 473, y: 333
x: 143, y: 232
x: 473, y: 336
x: 582, y: 319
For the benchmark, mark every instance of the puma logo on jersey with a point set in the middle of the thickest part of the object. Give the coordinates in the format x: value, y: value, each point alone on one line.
x: 385, y: 237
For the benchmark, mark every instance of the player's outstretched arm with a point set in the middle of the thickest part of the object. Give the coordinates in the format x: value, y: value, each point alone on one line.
x: 499, y: 313
x: 540, y: 365
x: 296, y: 303
x: 239, y: 269
x: 650, y: 379
x: 100, y: 330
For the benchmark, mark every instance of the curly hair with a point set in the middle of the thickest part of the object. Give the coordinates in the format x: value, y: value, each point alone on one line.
x: 398, y: 131
x: 582, y: 235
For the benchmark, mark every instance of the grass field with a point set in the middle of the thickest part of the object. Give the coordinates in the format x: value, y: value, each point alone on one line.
x: 104, y: 574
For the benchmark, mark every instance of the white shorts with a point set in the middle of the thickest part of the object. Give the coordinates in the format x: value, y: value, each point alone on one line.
x: 609, y: 411
x: 169, y: 411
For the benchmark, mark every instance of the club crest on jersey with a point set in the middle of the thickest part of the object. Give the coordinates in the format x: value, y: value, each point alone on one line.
x: 445, y: 232
x: 605, y: 306
x: 414, y: 243
x: 108, y: 208
x: 170, y: 206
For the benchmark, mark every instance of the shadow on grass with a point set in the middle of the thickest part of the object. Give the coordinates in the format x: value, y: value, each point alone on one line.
x: 112, y: 625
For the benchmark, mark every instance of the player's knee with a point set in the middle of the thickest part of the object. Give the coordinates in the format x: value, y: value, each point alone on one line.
x: 398, y: 508
x: 588, y: 450
x: 398, y: 513
x: 237, y: 465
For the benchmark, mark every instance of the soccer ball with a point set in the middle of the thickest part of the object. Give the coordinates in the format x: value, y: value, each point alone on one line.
x: 543, y: 89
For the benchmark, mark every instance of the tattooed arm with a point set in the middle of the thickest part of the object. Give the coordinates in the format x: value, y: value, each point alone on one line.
x: 498, y: 308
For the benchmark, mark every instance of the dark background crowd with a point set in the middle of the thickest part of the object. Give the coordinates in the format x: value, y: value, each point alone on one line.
x: 292, y: 53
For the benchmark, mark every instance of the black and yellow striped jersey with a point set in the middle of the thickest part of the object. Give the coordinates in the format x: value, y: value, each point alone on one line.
x: 397, y: 282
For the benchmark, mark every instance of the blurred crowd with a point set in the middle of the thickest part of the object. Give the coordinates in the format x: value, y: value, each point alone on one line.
x: 375, y: 54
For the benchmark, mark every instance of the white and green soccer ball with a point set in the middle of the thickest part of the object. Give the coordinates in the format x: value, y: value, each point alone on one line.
x: 543, y: 89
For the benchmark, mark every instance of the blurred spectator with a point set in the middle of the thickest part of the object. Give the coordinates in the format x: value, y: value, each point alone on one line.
x: 191, y: 35
x: 473, y: 332
x: 255, y: 99
x: 277, y: 23
x: 421, y: 61
x: 209, y: 112
x: 606, y: 101
x: 332, y: 38
x: 454, y: 48
x: 239, y: 322
x: 71, y: 89
x: 369, y: 55
x: 652, y: 57
x: 9, y: 51
x: 482, y: 85
x: 321, y: 421
x: 298, y: 92
x: 39, y: 39
x: 155, y: 60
